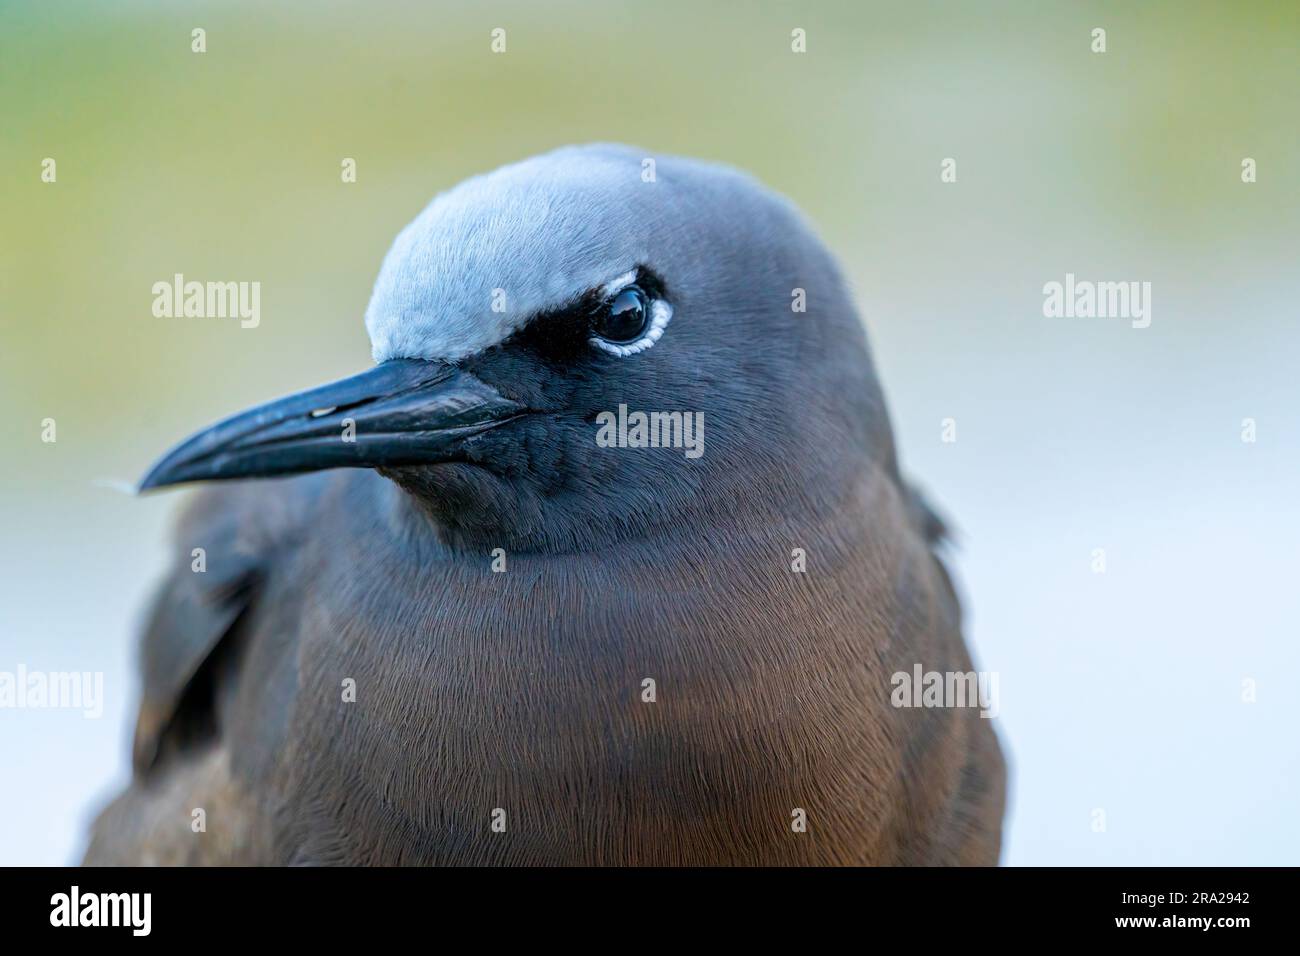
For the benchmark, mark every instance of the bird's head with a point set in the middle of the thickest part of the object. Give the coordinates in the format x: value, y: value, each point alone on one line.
x: 589, y: 344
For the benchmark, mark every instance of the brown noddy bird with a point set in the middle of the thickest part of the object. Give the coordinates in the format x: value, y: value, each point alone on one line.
x: 510, y: 607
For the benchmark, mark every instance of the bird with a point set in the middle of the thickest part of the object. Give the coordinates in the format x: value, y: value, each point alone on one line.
x: 439, y: 622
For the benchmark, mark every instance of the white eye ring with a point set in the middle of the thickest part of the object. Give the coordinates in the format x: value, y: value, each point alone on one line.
x: 660, y: 313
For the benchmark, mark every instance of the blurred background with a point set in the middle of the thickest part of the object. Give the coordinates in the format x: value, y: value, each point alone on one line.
x: 1121, y: 692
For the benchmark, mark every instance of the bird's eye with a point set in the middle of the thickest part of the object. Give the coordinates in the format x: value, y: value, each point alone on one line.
x: 625, y: 318
x: 629, y: 322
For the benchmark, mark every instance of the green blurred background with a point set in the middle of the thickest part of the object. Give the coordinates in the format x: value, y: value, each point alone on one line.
x: 1119, y: 691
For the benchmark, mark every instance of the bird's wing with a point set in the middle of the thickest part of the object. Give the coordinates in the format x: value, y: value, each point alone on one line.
x: 224, y: 543
x: 968, y: 829
x: 928, y: 521
x: 937, y: 532
x: 199, y: 632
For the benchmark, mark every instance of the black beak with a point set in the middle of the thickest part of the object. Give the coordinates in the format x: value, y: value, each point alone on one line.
x: 403, y: 412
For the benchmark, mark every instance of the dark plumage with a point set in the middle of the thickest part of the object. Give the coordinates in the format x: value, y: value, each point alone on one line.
x: 522, y: 691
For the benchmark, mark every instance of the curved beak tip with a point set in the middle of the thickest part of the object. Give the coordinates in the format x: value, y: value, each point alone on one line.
x: 148, y: 483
